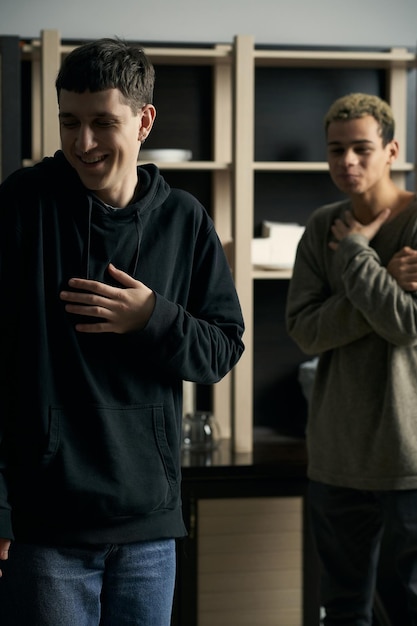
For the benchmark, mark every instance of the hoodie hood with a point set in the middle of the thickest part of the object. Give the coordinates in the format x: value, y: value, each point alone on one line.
x: 152, y: 192
x: 107, y: 230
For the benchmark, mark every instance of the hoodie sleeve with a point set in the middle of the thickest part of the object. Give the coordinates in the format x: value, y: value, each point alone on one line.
x: 201, y: 341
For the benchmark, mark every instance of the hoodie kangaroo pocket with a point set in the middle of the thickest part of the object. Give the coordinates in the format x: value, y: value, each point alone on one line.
x: 110, y: 461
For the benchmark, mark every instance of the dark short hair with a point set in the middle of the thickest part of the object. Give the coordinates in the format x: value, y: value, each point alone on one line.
x: 355, y: 105
x: 106, y: 64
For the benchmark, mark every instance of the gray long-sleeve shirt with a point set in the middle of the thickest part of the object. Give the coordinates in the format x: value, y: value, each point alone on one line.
x: 344, y: 306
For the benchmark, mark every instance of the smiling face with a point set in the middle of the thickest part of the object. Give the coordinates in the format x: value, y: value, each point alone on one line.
x: 101, y: 137
x: 358, y: 161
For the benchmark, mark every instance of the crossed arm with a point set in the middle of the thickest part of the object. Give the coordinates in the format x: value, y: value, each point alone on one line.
x: 402, y: 266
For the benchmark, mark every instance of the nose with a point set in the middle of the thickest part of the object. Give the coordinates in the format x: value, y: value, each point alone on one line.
x: 85, y: 140
x: 349, y: 157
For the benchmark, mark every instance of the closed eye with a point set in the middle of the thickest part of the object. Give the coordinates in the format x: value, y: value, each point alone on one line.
x: 363, y: 150
x: 69, y: 123
x: 102, y: 123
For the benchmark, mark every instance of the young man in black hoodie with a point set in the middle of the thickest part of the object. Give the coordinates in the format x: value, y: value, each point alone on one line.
x: 114, y: 289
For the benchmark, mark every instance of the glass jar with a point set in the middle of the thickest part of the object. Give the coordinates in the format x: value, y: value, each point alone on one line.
x: 200, y: 432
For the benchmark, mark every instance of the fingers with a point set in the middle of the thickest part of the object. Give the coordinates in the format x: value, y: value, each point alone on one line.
x: 121, y: 309
x: 4, y: 551
x: 102, y: 327
x: 382, y: 216
x: 4, y: 555
x: 406, y: 252
x: 406, y: 258
x: 349, y: 219
x: 90, y: 286
x: 124, y: 279
x: 403, y: 268
x: 341, y: 228
x: 4, y: 548
x: 96, y: 287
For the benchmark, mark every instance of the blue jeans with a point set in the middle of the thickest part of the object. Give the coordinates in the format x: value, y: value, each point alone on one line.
x: 108, y: 585
x: 348, y: 525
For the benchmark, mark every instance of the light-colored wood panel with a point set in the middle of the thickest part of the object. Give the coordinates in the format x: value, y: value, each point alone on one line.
x: 335, y: 58
x: 278, y: 559
x: 252, y: 523
x: 316, y: 166
x: 190, y: 165
x: 158, y: 54
x: 252, y: 618
x: 222, y: 206
x: 258, y: 599
x: 242, y: 506
x: 243, y: 188
x: 250, y: 561
x: 250, y: 543
x: 247, y: 581
x: 50, y: 63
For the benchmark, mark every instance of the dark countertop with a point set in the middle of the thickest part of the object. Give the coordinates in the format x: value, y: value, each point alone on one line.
x: 274, y: 456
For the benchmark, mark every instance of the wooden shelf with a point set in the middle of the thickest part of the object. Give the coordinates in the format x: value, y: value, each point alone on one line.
x: 335, y: 58
x: 313, y: 166
x: 174, y: 55
x: 191, y: 165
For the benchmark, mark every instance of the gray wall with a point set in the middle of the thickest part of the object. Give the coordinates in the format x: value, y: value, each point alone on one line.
x: 364, y: 23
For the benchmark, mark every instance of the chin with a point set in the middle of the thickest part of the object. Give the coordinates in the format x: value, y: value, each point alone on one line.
x: 92, y: 181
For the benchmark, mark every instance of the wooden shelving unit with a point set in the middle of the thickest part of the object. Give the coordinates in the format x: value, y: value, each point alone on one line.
x: 394, y: 64
x: 236, y: 74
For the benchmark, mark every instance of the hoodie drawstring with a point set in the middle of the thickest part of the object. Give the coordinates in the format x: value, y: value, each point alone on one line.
x: 90, y: 217
x: 134, y: 264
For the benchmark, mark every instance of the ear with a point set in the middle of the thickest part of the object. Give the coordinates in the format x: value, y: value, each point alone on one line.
x: 148, y: 114
x: 393, y: 151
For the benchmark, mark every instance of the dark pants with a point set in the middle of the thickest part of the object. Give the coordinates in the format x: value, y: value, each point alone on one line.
x: 348, y: 525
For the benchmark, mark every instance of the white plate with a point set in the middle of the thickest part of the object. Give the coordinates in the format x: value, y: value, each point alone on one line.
x: 170, y: 155
x: 273, y: 266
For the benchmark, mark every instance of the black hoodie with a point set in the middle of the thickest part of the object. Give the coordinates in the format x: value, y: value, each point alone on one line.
x: 90, y: 424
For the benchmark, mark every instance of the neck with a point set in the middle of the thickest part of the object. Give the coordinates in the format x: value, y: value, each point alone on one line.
x: 367, y: 206
x: 121, y: 199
